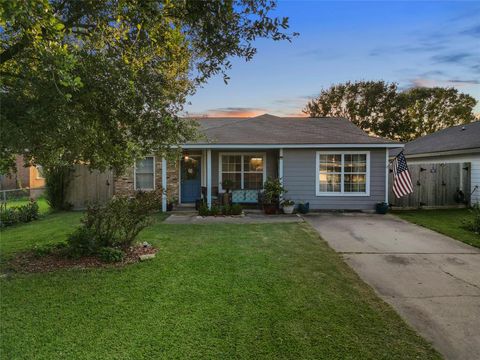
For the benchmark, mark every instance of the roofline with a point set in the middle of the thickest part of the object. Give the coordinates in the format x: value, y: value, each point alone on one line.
x: 288, y: 146
x: 443, y: 153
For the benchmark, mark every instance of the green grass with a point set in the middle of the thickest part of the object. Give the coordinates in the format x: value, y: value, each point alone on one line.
x: 445, y: 221
x: 217, y: 291
x: 43, y: 206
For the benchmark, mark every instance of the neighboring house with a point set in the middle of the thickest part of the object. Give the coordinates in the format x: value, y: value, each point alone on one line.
x: 456, y: 145
x: 25, y: 177
x: 328, y: 162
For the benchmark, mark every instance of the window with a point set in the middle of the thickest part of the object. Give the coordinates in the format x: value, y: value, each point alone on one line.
x: 246, y: 171
x: 145, y: 174
x: 40, y: 173
x: 343, y: 173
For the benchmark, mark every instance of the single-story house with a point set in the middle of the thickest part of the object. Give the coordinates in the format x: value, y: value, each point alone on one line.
x: 328, y: 162
x: 455, y: 145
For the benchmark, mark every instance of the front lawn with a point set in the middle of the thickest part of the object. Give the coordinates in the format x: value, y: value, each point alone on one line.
x: 214, y: 291
x: 43, y: 207
x: 445, y: 221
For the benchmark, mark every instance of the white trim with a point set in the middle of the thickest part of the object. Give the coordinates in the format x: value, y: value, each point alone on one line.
x: 242, y: 154
x: 280, y: 168
x: 442, y: 153
x: 387, y: 174
x: 180, y: 180
x: 288, y: 146
x: 342, y: 174
x: 209, y: 178
x: 135, y: 174
x: 164, y: 184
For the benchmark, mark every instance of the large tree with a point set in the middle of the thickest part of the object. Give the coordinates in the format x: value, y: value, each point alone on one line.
x: 381, y: 109
x: 102, y: 81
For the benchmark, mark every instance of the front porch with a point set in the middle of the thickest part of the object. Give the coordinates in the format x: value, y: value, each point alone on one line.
x: 203, y: 174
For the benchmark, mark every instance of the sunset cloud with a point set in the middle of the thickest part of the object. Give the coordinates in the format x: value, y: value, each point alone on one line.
x: 232, y: 112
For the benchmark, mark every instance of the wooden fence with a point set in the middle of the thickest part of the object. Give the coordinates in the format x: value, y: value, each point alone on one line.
x: 89, y: 186
x: 434, y: 185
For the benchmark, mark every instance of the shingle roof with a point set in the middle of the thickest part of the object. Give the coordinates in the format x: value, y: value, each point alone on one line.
x: 461, y: 137
x: 269, y: 129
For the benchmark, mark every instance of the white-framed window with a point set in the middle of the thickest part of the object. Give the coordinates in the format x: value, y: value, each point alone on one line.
x: 144, y: 177
x: 40, y: 173
x: 343, y: 173
x: 246, y: 170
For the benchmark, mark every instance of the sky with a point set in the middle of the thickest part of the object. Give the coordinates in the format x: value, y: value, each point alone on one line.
x: 427, y: 43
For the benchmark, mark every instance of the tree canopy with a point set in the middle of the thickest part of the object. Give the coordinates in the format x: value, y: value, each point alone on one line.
x: 379, y: 108
x: 102, y: 81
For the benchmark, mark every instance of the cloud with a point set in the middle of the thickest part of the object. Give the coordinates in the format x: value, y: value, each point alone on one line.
x: 473, y: 31
x: 231, y: 112
x: 455, y: 58
x: 458, y: 83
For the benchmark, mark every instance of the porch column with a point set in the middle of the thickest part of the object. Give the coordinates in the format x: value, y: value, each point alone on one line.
x: 387, y: 173
x: 280, y: 166
x: 164, y: 184
x: 209, y: 178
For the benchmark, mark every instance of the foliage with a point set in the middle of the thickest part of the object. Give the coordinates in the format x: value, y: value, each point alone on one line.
x: 111, y: 255
x: 101, y: 82
x: 288, y: 202
x: 473, y: 223
x: 273, y: 189
x: 57, y: 179
x: 214, y: 210
x: 381, y: 109
x: 203, y: 209
x: 115, y: 224
x: 18, y: 214
x: 226, y: 210
x: 227, y: 184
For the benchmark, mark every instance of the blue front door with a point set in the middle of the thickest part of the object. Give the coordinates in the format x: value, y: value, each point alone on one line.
x: 190, y: 179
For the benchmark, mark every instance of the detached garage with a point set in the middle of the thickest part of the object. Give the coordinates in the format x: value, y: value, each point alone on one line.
x: 445, y: 168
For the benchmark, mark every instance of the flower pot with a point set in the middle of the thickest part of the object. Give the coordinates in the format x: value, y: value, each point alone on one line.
x: 270, y: 209
x: 381, y: 208
x: 304, y: 208
x: 288, y: 209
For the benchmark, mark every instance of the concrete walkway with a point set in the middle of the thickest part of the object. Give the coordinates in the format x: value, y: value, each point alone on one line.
x: 431, y: 280
x: 248, y: 218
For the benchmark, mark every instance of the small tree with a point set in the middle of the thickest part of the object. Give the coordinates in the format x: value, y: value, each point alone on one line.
x: 57, y: 180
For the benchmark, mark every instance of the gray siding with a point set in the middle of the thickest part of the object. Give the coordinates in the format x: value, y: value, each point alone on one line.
x: 272, y: 162
x: 300, y: 175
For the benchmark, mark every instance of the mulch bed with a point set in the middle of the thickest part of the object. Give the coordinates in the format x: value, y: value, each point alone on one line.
x: 31, y: 262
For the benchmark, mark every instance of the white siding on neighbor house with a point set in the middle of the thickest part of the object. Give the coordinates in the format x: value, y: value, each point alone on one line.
x: 473, y: 159
x: 300, y: 181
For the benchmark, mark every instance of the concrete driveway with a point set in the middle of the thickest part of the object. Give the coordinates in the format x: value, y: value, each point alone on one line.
x: 431, y: 280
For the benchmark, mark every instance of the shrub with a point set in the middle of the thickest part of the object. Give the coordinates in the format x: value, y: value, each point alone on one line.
x: 473, y: 224
x: 273, y: 189
x: 203, y: 209
x: 111, y: 255
x: 214, y: 210
x: 236, y: 209
x: 8, y: 216
x: 115, y: 224
x: 17, y: 214
x: 28, y: 212
x: 226, y: 210
x: 57, y: 180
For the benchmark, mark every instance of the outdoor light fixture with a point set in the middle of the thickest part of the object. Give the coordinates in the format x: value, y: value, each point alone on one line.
x: 185, y: 156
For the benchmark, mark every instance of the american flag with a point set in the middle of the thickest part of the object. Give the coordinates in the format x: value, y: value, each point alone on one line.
x: 402, y: 182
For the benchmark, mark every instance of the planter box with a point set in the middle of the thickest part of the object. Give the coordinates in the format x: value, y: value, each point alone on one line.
x: 288, y: 209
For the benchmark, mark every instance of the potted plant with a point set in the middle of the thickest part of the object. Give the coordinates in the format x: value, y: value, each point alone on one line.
x: 303, y: 207
x: 272, y: 191
x: 171, y: 202
x: 381, y: 208
x: 227, y: 185
x: 288, y: 206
